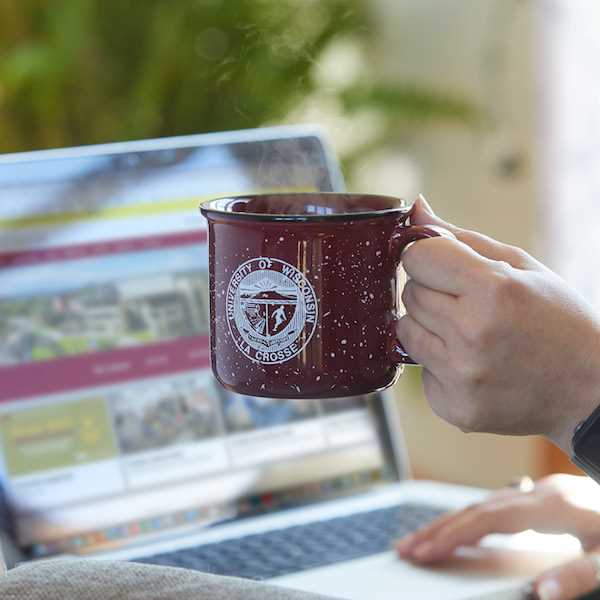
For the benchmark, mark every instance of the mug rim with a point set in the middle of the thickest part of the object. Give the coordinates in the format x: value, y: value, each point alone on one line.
x: 208, y: 208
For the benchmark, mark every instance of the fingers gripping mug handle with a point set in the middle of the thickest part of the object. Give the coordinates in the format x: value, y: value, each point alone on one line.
x: 401, y: 238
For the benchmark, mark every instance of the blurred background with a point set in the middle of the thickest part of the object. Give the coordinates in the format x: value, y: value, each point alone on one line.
x: 486, y: 106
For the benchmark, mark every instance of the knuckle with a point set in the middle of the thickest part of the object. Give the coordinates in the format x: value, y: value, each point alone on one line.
x: 437, y: 401
x: 471, y: 418
x: 466, y: 423
x: 459, y: 416
x: 472, y: 373
x: 518, y: 256
x: 429, y: 384
x: 502, y: 286
x: 408, y: 294
x: 407, y: 333
x: 429, y: 347
x: 457, y: 406
x: 496, y: 306
x: 454, y: 406
x: 550, y: 482
x: 419, y: 252
x: 476, y: 510
x: 410, y: 257
x: 440, y: 408
x: 550, y: 490
x: 488, y: 512
x: 482, y: 334
x: 496, y: 285
x: 481, y: 514
x: 419, y: 341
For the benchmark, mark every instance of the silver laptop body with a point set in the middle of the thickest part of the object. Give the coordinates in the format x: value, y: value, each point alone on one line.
x: 115, y: 440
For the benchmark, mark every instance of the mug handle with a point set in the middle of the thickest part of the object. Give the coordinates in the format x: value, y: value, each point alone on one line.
x: 401, y: 238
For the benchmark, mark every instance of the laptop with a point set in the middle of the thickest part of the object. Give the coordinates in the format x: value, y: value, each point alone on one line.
x: 116, y: 442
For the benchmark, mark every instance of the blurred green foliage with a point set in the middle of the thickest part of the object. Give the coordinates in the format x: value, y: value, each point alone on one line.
x: 87, y: 71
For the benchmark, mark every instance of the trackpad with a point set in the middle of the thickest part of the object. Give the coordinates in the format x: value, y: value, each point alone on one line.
x: 472, y: 572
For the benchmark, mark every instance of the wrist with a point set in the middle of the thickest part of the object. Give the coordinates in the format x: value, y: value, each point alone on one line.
x: 582, y: 397
x: 579, y: 411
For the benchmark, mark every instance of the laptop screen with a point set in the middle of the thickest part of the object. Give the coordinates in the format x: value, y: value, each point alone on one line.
x: 112, y: 427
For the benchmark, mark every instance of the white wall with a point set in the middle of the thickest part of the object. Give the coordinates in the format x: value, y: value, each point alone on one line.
x: 569, y: 146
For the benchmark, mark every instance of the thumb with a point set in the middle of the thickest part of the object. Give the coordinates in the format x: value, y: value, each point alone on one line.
x: 422, y: 214
x: 568, y: 581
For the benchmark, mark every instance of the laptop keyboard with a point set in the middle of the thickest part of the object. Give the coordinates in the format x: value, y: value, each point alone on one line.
x: 301, y: 547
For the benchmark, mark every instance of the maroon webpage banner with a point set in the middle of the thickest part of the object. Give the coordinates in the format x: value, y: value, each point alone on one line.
x: 91, y: 369
x: 95, y: 369
x: 119, y: 246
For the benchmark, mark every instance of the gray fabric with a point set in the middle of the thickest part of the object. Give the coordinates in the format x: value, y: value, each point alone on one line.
x: 83, y: 579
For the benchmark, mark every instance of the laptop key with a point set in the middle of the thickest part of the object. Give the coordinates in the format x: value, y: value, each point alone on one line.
x: 302, y: 547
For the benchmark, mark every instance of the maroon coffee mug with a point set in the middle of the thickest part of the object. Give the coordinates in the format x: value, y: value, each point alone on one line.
x: 305, y: 292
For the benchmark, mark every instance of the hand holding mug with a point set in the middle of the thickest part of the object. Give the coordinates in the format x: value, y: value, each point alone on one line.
x: 507, y: 347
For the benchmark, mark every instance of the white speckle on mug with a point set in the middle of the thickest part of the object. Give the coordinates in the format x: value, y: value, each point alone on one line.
x: 344, y: 341
x: 332, y: 355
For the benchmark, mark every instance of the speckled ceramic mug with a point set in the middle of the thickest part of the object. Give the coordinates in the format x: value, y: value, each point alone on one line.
x: 305, y: 292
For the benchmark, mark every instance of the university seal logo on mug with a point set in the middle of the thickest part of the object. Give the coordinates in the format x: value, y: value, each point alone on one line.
x: 272, y: 310
x: 304, y: 292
